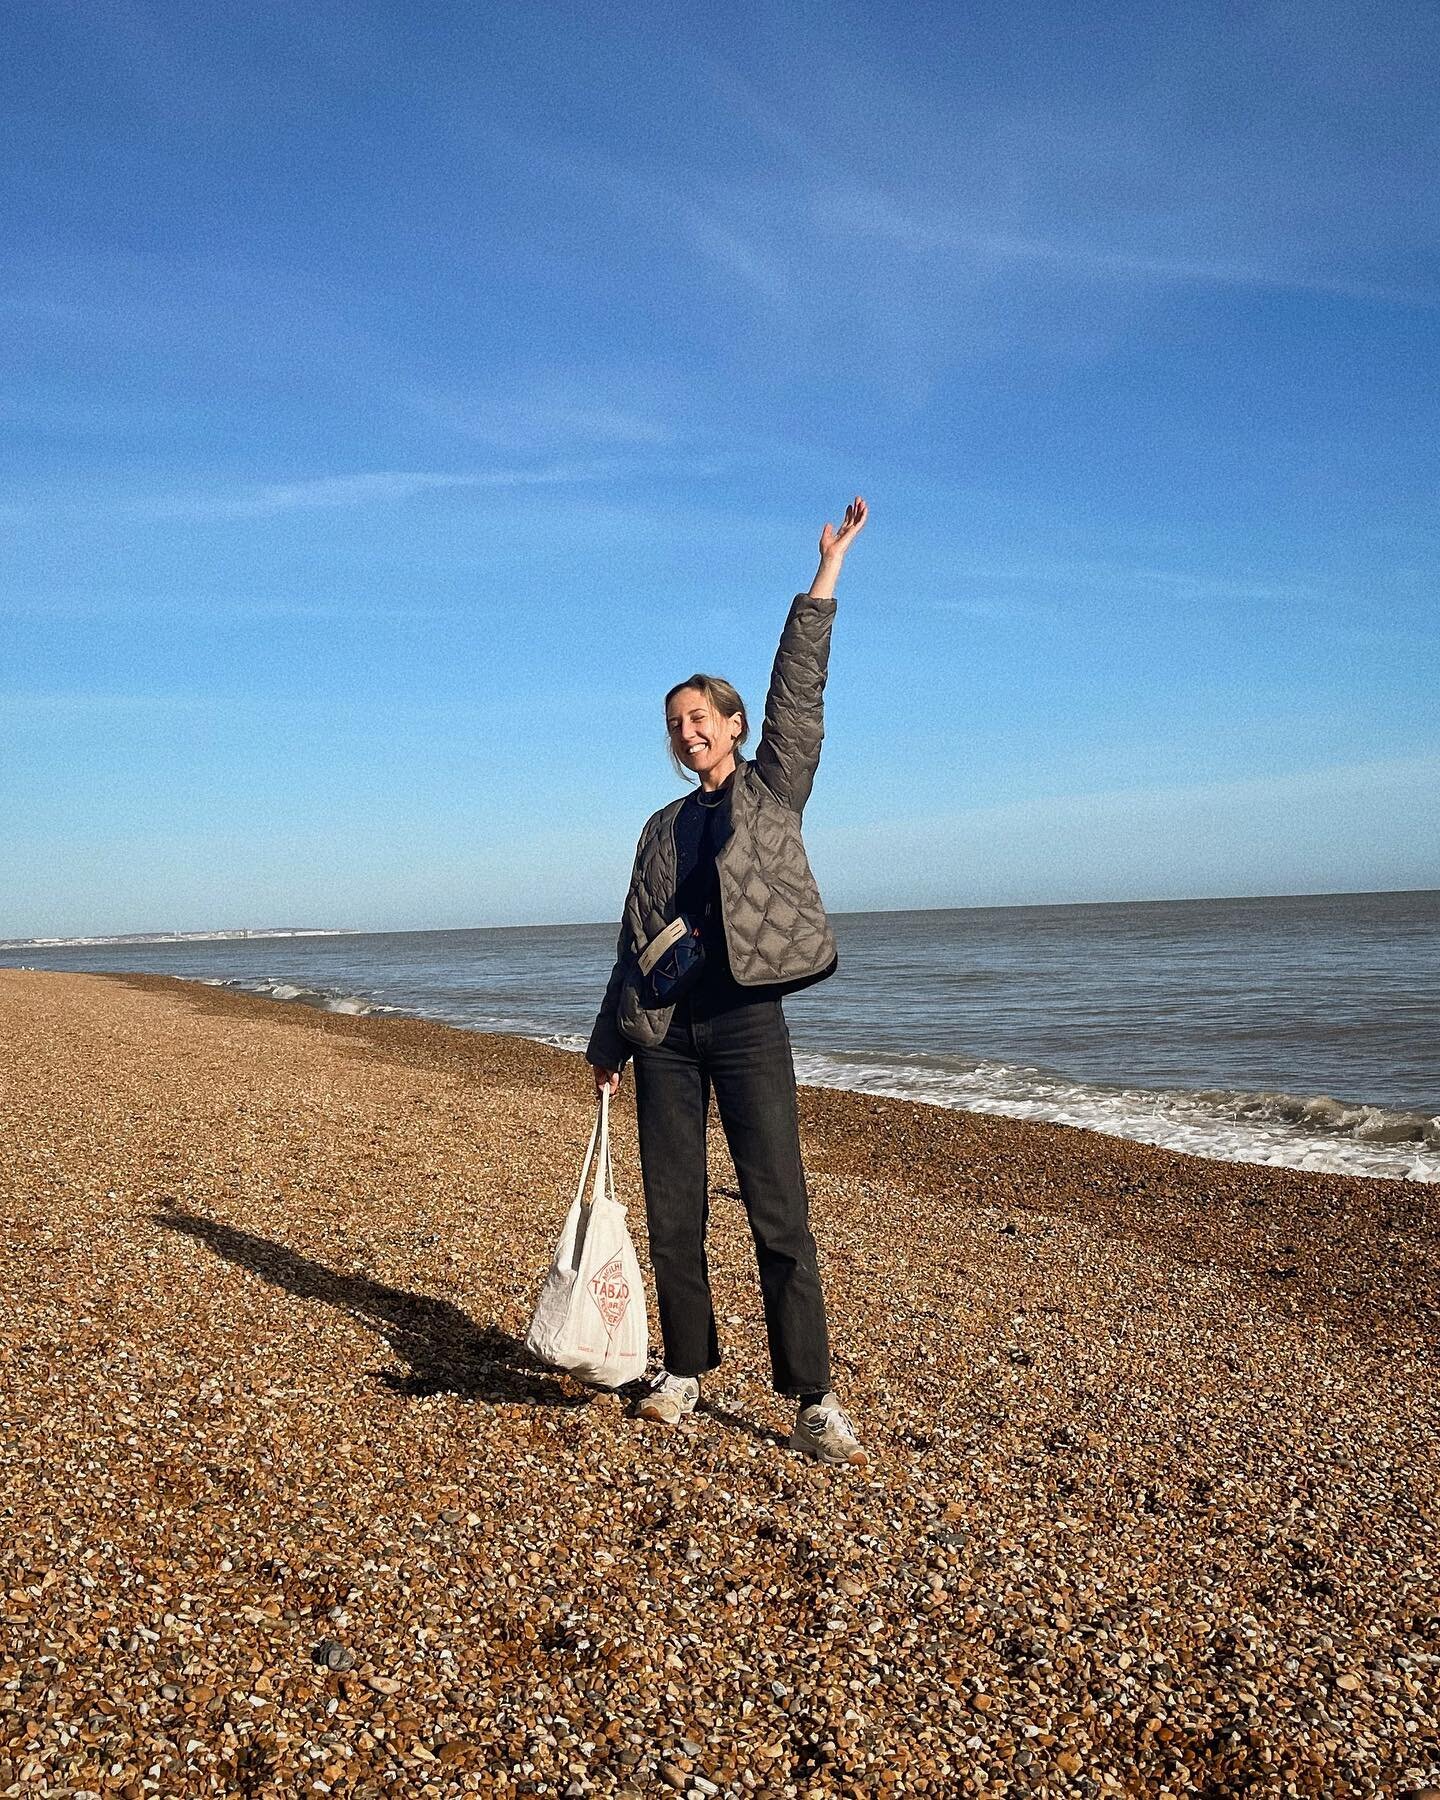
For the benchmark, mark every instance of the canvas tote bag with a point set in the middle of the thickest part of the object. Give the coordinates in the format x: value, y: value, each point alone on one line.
x: 590, y: 1320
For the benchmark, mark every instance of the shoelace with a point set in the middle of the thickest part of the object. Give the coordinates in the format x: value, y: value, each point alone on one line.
x: 832, y: 1415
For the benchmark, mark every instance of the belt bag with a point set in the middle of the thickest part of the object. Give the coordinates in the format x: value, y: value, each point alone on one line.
x: 671, y: 963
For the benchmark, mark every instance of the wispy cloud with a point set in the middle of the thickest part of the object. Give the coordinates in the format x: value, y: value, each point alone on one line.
x: 379, y: 487
x: 979, y: 608
x: 276, y: 709
x: 196, y: 313
x: 1175, y: 188
x: 1140, y: 581
x: 878, y: 215
x: 1324, y: 603
x: 734, y: 252
x: 20, y: 708
x: 1316, y: 829
x: 206, y: 609
x: 540, y: 409
x: 733, y: 228
x: 1418, y: 774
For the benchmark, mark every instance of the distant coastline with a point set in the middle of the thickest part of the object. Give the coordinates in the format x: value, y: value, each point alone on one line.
x: 607, y: 924
x: 184, y: 937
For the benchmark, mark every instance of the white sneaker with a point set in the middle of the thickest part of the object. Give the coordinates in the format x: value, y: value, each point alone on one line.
x: 670, y: 1398
x: 823, y: 1431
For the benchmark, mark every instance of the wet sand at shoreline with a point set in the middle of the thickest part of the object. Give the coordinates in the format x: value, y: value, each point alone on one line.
x: 1153, y: 1507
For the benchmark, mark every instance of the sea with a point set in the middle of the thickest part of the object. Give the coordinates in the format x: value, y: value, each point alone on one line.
x: 1298, y: 1031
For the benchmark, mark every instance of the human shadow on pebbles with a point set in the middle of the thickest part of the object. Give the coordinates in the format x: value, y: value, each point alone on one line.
x: 733, y: 1421
x: 445, y: 1350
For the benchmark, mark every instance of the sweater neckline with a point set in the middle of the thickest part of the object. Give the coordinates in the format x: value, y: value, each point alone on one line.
x: 711, y: 802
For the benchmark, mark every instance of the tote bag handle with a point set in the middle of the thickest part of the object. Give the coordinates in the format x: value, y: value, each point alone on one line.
x: 603, y: 1183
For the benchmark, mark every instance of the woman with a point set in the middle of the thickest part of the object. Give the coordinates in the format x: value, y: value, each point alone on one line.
x: 723, y: 919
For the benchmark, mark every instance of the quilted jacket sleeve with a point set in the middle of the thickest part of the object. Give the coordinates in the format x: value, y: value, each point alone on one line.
x: 609, y: 1048
x: 788, y: 753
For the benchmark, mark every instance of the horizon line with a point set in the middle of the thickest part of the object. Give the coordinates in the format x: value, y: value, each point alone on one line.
x: 242, y: 932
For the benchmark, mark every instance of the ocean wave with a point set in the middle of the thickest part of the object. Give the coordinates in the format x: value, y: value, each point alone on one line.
x: 324, y: 1000
x: 1281, y: 1130
x: 1322, y: 1113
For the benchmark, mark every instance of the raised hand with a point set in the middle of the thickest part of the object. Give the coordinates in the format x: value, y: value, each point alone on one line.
x: 833, y: 543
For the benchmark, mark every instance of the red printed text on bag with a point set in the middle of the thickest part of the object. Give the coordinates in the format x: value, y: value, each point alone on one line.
x: 611, y: 1291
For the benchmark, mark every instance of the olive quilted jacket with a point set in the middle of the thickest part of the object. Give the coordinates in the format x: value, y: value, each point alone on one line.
x: 775, y: 924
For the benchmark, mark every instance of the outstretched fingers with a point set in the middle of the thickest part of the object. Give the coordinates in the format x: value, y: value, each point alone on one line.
x: 833, y: 543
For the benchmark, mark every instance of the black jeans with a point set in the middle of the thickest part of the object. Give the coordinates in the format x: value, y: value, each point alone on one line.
x: 743, y: 1053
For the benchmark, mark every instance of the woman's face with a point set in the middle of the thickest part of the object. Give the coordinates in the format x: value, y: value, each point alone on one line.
x: 701, y: 738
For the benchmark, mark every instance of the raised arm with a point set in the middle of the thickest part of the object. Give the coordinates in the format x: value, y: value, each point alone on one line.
x: 833, y: 545
x: 788, y: 753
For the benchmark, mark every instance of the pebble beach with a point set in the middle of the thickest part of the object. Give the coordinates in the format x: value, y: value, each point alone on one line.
x: 1153, y: 1504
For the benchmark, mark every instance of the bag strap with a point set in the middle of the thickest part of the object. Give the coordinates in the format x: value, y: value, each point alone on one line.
x: 661, y: 942
x: 589, y: 1153
x: 602, y: 1184
x: 610, y: 1169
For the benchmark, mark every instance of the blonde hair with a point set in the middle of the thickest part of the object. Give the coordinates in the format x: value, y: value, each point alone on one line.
x: 724, y: 700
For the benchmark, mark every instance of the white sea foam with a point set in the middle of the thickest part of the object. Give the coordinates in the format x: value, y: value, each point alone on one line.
x: 354, y: 1005
x: 1282, y: 1130
x: 1224, y: 1128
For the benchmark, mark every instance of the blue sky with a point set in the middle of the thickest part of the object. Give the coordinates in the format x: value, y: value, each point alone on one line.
x: 398, y: 399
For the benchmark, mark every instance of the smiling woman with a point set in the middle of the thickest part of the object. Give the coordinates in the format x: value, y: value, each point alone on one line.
x: 705, y: 722
x: 722, y: 920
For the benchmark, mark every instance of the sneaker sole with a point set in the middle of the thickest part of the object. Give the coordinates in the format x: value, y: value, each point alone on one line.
x: 656, y: 1416
x: 857, y: 1459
